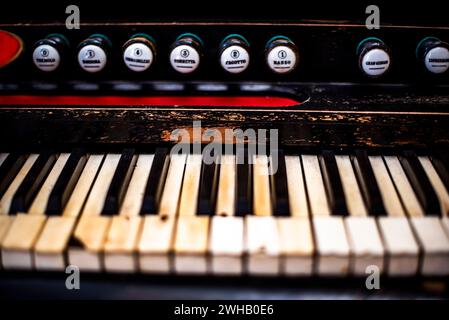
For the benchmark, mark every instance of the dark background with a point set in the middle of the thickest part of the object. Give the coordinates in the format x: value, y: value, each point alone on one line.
x: 432, y: 12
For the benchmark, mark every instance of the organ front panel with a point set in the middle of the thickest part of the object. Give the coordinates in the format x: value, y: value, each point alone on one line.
x: 225, y: 149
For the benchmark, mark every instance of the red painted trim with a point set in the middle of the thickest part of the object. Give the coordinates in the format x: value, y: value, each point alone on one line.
x: 158, y: 101
x: 10, y: 47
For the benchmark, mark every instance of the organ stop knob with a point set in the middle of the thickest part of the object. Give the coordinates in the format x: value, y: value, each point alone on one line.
x: 186, y: 52
x: 48, y: 52
x: 281, y: 55
x: 434, y: 55
x: 139, y: 52
x: 93, y: 53
x: 374, y: 57
x: 234, y: 53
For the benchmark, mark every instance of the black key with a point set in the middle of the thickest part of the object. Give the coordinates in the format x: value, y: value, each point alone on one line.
x: 420, y: 183
x: 31, y: 184
x: 279, y: 187
x: 244, y: 185
x: 9, y: 169
x: 368, y: 184
x: 119, y: 183
x: 155, y: 183
x: 208, y: 187
x: 67, y: 180
x: 332, y: 183
x: 440, y: 161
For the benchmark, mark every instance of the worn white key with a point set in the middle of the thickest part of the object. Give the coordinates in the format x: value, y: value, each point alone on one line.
x: 21, y: 236
x: 399, y: 241
x: 261, y: 186
x: 91, y: 230
x: 400, y: 245
x: 20, y: 241
x: 366, y: 244
x: 5, y: 223
x: 296, y: 188
x: 388, y: 193
x: 437, y: 184
x: 351, y: 189
x: 172, y: 188
x: 434, y: 243
x: 331, y: 245
x: 408, y: 196
x: 226, y: 186
x: 190, y: 186
x: 123, y: 234
x: 262, y: 243
x: 157, y: 237
x: 429, y: 231
x: 295, y: 246
x: 362, y: 232
x: 315, y: 186
x: 190, y: 246
x: 227, y: 245
x: 155, y: 243
x: 40, y: 202
x: 5, y: 201
x: 49, y: 251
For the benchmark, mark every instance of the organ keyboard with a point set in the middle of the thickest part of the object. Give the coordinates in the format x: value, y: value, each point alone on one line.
x: 325, y: 213
x: 347, y: 172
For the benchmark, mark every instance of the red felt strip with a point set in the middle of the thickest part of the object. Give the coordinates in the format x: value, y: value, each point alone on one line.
x: 180, y: 101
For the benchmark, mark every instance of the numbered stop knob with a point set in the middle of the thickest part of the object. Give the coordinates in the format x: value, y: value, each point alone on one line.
x: 374, y: 57
x: 234, y: 54
x: 139, y: 52
x: 281, y: 55
x: 93, y: 53
x: 186, y: 52
x: 434, y: 55
x: 48, y: 52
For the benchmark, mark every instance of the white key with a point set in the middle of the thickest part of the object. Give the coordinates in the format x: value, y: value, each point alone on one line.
x: 92, y: 228
x: 5, y: 223
x: 172, y: 188
x: 400, y: 245
x: 20, y: 241
x: 21, y: 236
x: 295, y: 246
x: 437, y: 184
x: 226, y: 186
x: 190, y: 247
x: 155, y: 244
x: 262, y: 243
x: 261, y: 186
x: 404, y: 187
x: 435, y: 245
x: 227, y: 245
x: 366, y: 244
x: 82, y: 187
x: 124, y: 231
x: 190, y: 186
x: 40, y: 202
x: 351, y: 189
x: 97, y: 196
x: 49, y: 251
x: 296, y: 188
x: 399, y: 241
x: 157, y: 237
x: 389, y: 196
x: 315, y: 186
x: 331, y: 245
x: 5, y: 201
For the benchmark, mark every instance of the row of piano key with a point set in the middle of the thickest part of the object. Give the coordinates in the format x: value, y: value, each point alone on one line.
x: 321, y: 214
